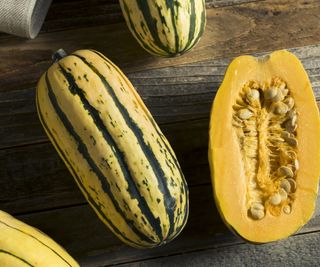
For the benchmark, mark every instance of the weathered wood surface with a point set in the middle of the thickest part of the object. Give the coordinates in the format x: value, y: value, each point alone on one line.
x: 67, y: 14
x: 35, y: 178
x: 35, y: 184
x: 296, y: 251
x: 179, y: 94
x: 231, y: 30
x: 85, y: 237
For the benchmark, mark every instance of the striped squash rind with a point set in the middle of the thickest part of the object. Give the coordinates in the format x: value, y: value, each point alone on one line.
x: 165, y: 27
x: 114, y: 149
x: 23, y: 245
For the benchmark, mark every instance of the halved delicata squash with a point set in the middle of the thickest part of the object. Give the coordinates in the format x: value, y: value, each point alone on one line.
x: 264, y: 147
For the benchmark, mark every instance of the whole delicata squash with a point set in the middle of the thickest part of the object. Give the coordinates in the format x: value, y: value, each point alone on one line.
x: 165, y: 28
x: 22, y: 245
x: 264, y: 147
x: 114, y: 149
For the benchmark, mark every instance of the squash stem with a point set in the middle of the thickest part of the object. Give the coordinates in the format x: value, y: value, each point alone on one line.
x: 59, y: 54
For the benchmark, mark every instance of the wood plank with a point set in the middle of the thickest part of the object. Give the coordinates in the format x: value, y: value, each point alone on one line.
x: 64, y: 15
x: 86, y: 238
x: 220, y: 3
x: 31, y: 185
x: 179, y: 98
x: 301, y: 250
x: 230, y: 31
x: 35, y: 178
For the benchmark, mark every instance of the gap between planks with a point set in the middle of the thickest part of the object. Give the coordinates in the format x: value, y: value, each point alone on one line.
x: 232, y: 30
x: 173, y: 96
x: 298, y: 250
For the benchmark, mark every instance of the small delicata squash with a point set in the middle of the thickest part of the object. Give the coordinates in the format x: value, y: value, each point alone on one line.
x: 165, y: 28
x: 264, y: 147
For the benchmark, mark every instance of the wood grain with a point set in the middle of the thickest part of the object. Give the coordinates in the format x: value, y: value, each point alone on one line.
x: 35, y: 184
x: 34, y: 178
x: 85, y: 237
x: 301, y: 250
x: 231, y: 30
x: 66, y: 14
x: 179, y: 98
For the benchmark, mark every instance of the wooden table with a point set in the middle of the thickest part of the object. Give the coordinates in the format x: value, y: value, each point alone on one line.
x: 36, y: 186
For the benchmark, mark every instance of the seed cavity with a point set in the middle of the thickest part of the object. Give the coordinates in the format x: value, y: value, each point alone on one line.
x: 265, y: 121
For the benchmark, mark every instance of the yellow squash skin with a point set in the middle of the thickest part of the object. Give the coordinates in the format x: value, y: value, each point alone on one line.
x: 112, y: 146
x: 22, y: 245
x: 165, y: 28
x: 227, y: 172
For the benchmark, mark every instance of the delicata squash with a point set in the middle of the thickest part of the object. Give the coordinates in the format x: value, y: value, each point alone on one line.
x: 264, y: 147
x: 114, y: 149
x: 22, y: 245
x: 165, y: 28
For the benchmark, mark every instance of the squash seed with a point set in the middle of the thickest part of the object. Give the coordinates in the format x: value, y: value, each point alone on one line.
x: 287, y: 209
x: 285, y: 171
x: 275, y: 199
x: 257, y: 211
x: 284, y: 91
x: 283, y: 194
x: 293, y: 120
x: 253, y: 94
x: 244, y: 114
x: 280, y: 108
x: 292, y: 155
x: 278, y: 97
x: 257, y: 206
x: 284, y: 184
x: 291, y: 113
x: 292, y: 141
x: 270, y: 93
x: 289, y: 137
x: 257, y: 214
x: 289, y: 102
x: 293, y: 184
x: 291, y: 124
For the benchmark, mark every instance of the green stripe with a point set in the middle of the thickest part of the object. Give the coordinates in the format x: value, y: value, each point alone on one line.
x: 146, y: 45
x: 83, y: 150
x: 15, y: 256
x: 129, y: 177
x: 184, y: 186
x: 17, y: 229
x: 192, y: 27
x: 169, y: 201
x: 152, y: 24
x: 155, y: 125
x: 202, y: 28
x: 171, y: 5
x: 91, y: 201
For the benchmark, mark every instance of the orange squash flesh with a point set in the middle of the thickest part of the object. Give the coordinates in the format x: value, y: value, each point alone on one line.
x: 227, y: 169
